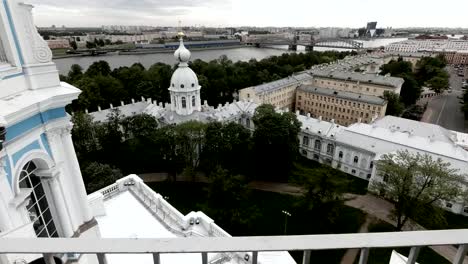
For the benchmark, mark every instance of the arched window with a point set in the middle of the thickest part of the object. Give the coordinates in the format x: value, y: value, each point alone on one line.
x: 247, y: 123
x: 38, y: 207
x: 193, y: 101
x: 330, y: 149
x: 184, y: 103
x: 371, y: 165
x: 318, y: 145
x: 340, y: 155
x: 356, y: 159
x: 305, y: 141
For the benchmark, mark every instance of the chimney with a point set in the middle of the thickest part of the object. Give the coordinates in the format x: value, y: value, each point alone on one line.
x: 86, y: 111
x: 122, y: 103
x: 308, y: 115
x: 359, y: 120
x: 297, y: 112
x: 320, y: 118
x: 160, y: 104
x: 149, y: 100
x: 111, y: 106
x: 99, y: 108
x: 143, y: 99
x: 333, y: 121
x: 205, y: 102
x: 133, y: 101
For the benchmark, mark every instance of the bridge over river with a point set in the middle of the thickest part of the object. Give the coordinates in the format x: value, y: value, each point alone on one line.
x: 293, y: 42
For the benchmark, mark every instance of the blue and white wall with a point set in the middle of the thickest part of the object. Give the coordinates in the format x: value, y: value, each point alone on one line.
x: 32, y: 108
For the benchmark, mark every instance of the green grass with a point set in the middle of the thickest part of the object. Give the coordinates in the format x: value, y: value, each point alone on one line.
x: 59, y: 52
x: 186, y: 197
x: 382, y: 256
x: 453, y: 221
x: 355, y: 185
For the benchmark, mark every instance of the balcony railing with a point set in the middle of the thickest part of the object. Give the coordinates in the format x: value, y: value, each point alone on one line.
x: 203, y: 245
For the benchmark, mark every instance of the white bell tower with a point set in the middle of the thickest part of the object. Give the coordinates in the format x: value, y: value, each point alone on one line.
x: 184, y: 89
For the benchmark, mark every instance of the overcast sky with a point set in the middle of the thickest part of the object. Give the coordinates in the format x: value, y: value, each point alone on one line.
x: 307, y: 13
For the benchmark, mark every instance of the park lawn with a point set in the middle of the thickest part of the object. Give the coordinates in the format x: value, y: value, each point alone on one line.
x: 355, y: 185
x: 453, y: 221
x: 59, y: 52
x: 382, y: 256
x: 187, y: 197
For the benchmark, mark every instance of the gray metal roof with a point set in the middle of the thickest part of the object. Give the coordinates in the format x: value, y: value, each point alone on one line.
x: 394, y: 82
x: 272, y: 86
x: 370, y: 99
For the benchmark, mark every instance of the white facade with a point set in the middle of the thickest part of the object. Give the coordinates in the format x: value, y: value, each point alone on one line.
x: 41, y: 188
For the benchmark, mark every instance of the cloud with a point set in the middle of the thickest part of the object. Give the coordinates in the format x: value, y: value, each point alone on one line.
x: 96, y: 13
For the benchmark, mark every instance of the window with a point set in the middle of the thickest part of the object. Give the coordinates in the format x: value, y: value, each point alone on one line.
x: 353, y: 171
x: 248, y: 95
x: 340, y: 155
x: 448, y: 205
x: 356, y: 159
x: 371, y: 165
x: 369, y: 176
x: 330, y: 149
x: 304, y: 152
x: 184, y: 103
x: 193, y: 101
x: 465, y: 210
x: 386, y: 178
x: 38, y: 207
x: 181, y: 86
x: 247, y: 123
x: 300, y: 97
x: 318, y: 145
x: 316, y: 157
x: 305, y: 141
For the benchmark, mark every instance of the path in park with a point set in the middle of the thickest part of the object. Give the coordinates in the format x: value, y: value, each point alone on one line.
x: 370, y: 204
x: 351, y: 254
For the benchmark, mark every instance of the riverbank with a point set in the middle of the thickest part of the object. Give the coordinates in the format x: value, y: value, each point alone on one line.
x: 143, y: 52
x: 156, y: 51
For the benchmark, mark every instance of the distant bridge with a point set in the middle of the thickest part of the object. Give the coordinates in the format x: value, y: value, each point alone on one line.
x: 293, y: 42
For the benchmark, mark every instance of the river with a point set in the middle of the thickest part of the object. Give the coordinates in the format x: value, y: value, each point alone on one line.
x: 235, y: 54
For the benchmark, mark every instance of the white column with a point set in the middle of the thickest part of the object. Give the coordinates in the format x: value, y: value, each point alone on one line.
x: 5, y: 223
x: 75, y: 174
x: 56, y: 146
x: 61, y: 208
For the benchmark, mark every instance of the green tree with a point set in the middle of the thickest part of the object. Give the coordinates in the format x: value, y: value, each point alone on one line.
x: 90, y: 45
x: 276, y: 143
x: 438, y: 83
x: 394, y: 106
x: 228, y: 201
x: 98, y: 68
x: 415, y: 182
x: 410, y: 91
x: 75, y: 73
x: 324, y: 195
x: 73, y: 45
x: 97, y: 176
x: 190, y: 137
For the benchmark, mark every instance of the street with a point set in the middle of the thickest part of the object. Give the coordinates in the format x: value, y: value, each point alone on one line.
x: 445, y: 110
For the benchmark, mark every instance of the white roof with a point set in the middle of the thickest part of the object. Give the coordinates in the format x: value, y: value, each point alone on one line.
x: 319, y: 127
x: 122, y: 215
x: 383, y: 140
x: 397, y: 258
x: 416, y: 128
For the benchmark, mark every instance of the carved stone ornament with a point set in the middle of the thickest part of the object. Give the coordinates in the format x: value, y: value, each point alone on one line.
x: 41, y: 51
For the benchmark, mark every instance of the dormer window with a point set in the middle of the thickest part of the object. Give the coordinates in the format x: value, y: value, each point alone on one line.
x: 181, y: 86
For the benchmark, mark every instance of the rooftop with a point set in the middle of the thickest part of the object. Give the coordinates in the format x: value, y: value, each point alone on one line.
x: 288, y: 81
x: 130, y: 209
x: 343, y: 95
x: 328, y: 73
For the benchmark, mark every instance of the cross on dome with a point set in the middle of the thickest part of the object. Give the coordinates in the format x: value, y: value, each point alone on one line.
x: 182, y: 54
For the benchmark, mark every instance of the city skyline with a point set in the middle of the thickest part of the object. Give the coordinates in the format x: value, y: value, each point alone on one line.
x: 87, y: 13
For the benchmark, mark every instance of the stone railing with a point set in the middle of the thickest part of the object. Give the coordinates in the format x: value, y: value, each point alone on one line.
x: 205, y: 245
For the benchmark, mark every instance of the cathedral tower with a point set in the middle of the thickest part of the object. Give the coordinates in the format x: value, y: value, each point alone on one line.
x: 184, y: 89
